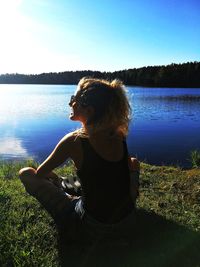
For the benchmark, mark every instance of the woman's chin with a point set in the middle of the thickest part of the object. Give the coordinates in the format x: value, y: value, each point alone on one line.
x: 72, y: 117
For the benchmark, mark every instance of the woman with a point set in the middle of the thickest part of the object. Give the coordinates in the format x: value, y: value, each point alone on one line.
x: 99, y: 152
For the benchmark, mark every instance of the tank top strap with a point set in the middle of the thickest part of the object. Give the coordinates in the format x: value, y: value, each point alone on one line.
x: 125, y: 148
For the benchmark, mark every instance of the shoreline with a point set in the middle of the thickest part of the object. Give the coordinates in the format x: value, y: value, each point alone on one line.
x: 127, y: 85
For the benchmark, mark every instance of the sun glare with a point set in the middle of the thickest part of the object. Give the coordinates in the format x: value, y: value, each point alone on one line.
x: 6, y: 3
x: 21, y: 46
x: 16, y: 37
x: 8, y: 13
x: 9, y: 6
x: 9, y: 29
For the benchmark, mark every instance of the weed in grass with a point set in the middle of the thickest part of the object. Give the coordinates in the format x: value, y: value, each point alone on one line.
x: 195, y: 158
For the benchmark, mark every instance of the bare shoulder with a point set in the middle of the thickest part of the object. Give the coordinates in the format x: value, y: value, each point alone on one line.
x: 70, y: 141
x: 70, y: 137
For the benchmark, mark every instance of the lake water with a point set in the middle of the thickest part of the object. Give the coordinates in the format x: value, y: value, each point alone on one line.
x: 164, y: 129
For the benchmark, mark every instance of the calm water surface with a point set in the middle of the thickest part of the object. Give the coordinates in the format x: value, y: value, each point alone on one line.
x: 164, y: 129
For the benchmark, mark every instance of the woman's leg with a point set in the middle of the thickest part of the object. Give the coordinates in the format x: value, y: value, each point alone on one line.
x: 52, y: 197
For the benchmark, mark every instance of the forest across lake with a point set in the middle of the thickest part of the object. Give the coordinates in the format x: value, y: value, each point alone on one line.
x: 186, y: 75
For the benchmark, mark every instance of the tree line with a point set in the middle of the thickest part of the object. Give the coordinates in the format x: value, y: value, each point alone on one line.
x: 173, y: 75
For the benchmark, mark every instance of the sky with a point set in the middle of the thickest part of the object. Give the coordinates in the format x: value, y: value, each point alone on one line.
x: 38, y: 36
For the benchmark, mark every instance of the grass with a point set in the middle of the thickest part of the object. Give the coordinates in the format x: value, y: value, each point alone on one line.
x: 167, y: 228
x: 27, y: 233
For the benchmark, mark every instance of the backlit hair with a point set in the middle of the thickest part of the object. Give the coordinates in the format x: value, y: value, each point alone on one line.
x: 111, y: 106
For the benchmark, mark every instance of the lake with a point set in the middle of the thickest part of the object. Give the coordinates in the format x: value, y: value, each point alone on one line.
x: 164, y: 130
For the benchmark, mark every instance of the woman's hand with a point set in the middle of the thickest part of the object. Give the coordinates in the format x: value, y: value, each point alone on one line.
x: 134, y: 164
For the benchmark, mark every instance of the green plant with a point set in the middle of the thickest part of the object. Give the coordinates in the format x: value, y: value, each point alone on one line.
x: 195, y: 158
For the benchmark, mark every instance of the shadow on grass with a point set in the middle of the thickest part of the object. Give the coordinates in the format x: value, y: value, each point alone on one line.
x: 154, y: 241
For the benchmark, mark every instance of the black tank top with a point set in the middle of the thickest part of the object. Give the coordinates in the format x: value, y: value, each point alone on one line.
x: 105, y: 185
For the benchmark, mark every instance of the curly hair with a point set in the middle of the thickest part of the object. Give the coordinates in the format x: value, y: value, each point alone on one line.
x: 111, y: 106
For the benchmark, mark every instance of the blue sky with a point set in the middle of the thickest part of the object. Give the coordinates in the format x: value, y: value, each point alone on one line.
x: 107, y: 35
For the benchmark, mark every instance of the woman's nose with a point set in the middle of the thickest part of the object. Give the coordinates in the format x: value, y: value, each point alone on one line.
x: 72, y: 103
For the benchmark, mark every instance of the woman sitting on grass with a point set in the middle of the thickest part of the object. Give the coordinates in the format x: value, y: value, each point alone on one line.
x: 108, y: 176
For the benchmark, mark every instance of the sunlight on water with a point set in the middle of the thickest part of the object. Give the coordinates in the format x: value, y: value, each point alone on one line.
x: 28, y: 100
x: 164, y: 129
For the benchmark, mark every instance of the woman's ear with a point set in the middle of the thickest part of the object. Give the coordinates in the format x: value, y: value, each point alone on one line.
x: 90, y: 113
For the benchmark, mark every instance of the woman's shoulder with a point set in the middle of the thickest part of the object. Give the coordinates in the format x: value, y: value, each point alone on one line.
x: 70, y: 137
x: 72, y: 143
x: 73, y: 139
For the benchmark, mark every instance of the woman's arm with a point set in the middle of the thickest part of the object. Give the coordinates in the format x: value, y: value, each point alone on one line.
x: 134, y: 168
x: 59, y: 155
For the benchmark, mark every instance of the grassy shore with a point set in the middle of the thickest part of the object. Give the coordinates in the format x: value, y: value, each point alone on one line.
x: 168, y: 226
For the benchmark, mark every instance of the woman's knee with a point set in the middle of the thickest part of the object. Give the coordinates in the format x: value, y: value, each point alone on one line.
x: 27, y: 176
x: 26, y: 173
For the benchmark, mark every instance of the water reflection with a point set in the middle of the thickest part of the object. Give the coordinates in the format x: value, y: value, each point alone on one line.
x: 11, y: 147
x: 165, y: 126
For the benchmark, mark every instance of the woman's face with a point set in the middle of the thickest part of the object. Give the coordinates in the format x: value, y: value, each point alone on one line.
x: 79, y: 112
